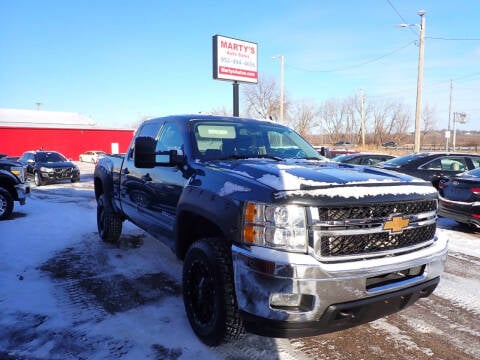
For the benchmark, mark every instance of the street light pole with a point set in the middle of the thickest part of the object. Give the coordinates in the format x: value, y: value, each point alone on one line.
x: 418, y: 109
x: 282, y: 69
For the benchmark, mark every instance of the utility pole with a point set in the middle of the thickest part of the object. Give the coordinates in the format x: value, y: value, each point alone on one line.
x: 362, y: 116
x: 447, y: 147
x: 418, y: 109
x: 282, y: 70
x: 38, y: 103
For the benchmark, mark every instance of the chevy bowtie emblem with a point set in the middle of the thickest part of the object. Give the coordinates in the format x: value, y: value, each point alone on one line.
x: 396, y: 224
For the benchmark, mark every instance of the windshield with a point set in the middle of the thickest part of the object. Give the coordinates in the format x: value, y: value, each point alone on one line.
x: 240, y: 140
x: 403, y: 160
x: 49, y: 157
x: 340, y: 158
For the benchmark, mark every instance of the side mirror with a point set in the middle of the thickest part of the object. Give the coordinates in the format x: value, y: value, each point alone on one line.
x: 144, y: 152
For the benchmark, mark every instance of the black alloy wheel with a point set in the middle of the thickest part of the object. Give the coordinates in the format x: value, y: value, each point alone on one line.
x: 209, y: 294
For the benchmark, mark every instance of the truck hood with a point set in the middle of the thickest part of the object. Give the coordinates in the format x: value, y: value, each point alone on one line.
x: 303, y: 174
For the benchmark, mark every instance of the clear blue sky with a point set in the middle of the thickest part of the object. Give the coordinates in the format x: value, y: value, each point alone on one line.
x: 117, y: 61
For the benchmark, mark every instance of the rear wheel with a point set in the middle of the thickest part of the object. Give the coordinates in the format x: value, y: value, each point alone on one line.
x: 38, y: 179
x: 6, y: 204
x: 209, y: 294
x: 109, y: 223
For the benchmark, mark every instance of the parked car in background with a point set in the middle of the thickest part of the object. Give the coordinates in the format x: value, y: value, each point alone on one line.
x: 432, y: 166
x: 362, y: 158
x: 459, y: 198
x: 343, y: 144
x: 92, y: 156
x: 390, y: 145
x: 49, y: 166
x: 335, y: 152
x: 12, y: 185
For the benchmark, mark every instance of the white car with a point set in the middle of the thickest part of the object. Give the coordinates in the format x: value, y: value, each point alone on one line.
x: 92, y: 156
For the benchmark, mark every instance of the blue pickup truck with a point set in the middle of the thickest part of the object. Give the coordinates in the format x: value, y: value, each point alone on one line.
x: 274, y: 238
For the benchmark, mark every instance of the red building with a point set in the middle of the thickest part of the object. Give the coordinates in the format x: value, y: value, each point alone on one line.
x: 68, y: 133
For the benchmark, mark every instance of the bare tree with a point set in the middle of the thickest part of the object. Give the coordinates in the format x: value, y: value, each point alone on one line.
x: 428, y: 120
x: 335, y: 118
x: 221, y: 111
x: 303, y: 116
x: 389, y: 120
x: 263, y: 100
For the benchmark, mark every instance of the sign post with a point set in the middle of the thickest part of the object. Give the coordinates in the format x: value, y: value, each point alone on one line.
x: 235, y: 60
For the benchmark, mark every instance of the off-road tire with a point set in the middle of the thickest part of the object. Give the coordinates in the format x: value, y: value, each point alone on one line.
x: 209, y: 293
x: 6, y: 204
x: 38, y: 179
x: 109, y: 223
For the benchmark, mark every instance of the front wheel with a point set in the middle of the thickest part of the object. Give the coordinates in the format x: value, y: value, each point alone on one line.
x: 6, y: 204
x: 209, y: 294
x: 38, y: 179
x: 109, y: 223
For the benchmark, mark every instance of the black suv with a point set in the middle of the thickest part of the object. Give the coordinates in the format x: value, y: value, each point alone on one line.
x: 49, y: 166
x: 12, y: 185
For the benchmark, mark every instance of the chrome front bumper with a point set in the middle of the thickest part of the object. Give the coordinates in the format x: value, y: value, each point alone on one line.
x: 264, y: 278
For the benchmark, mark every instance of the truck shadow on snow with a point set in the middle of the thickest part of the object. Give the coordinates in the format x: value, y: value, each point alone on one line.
x: 97, y: 290
x: 91, y: 275
x: 88, y: 290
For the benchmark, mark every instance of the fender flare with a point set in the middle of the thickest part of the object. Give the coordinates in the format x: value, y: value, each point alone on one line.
x: 222, y: 212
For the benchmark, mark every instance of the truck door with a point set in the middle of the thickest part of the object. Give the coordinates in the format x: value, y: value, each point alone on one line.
x: 165, y: 182
x: 134, y: 195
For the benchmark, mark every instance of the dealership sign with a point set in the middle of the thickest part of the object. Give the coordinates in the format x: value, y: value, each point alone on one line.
x: 234, y: 60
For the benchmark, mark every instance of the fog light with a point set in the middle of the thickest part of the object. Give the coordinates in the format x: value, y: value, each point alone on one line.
x: 291, y: 302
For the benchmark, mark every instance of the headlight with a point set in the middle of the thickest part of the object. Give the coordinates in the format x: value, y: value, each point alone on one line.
x: 46, y: 169
x: 280, y: 227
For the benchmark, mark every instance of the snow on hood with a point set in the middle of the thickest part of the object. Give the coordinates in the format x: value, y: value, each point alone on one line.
x: 230, y: 188
x: 358, y: 191
x: 313, y: 175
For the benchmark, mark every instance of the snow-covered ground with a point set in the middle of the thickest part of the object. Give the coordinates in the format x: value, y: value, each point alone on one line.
x: 66, y: 295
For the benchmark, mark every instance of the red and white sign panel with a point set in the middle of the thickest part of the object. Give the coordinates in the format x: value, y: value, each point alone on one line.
x: 234, y: 59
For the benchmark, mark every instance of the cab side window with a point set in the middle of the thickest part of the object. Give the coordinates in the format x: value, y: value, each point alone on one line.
x: 150, y: 130
x: 170, y: 138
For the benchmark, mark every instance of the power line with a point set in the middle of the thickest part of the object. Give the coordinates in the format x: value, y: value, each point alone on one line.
x: 355, y: 65
x: 452, y: 39
x: 401, y: 18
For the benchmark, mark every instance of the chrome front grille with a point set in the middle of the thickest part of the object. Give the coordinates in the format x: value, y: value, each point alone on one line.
x: 349, y: 233
x: 63, y: 172
x: 376, y: 211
